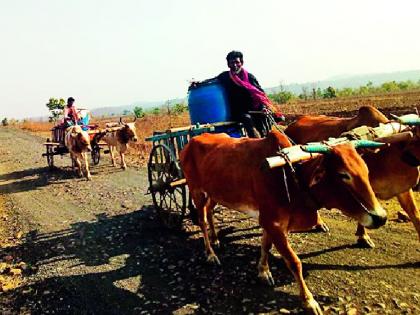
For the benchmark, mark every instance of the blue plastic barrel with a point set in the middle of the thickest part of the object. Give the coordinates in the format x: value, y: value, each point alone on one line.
x: 207, y: 103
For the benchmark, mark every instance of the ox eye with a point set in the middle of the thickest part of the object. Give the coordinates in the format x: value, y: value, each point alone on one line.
x: 344, y: 176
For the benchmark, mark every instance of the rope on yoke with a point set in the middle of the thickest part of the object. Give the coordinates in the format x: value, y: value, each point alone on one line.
x: 269, y: 115
x: 292, y: 170
x: 310, y: 199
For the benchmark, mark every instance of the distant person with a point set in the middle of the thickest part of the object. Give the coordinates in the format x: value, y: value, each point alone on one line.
x: 71, y: 116
x: 244, y: 95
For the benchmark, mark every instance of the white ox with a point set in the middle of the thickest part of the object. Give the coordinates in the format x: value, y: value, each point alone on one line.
x: 119, y: 140
x: 77, y: 142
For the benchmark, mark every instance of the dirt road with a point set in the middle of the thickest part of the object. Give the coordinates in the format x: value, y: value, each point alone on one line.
x: 96, y: 248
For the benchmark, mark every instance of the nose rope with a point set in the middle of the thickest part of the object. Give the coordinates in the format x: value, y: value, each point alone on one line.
x: 358, y: 200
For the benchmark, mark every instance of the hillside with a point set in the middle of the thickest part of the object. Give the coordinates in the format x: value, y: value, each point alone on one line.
x: 118, y: 110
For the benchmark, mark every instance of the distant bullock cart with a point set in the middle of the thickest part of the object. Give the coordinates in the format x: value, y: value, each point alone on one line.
x: 56, y: 145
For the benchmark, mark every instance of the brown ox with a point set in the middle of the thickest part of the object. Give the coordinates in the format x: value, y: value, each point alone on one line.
x: 78, y: 143
x: 119, y: 140
x: 320, y: 127
x: 227, y: 171
x: 390, y: 171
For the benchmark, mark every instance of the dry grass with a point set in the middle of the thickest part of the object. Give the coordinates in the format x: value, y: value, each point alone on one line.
x: 35, y: 126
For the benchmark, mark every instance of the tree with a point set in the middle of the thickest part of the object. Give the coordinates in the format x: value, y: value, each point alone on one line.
x: 56, y: 107
x: 329, y: 92
x: 156, y: 111
x: 345, y: 92
x: 389, y: 86
x: 304, y: 94
x: 318, y: 93
x: 126, y: 112
x: 5, y: 122
x: 138, y: 112
x: 282, y: 97
x: 180, y: 108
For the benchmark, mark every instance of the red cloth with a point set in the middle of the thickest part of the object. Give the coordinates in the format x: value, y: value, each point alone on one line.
x: 71, y: 112
x: 258, y: 97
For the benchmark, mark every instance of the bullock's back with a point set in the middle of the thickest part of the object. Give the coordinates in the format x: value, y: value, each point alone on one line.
x: 314, y: 128
x: 320, y: 127
x: 214, y: 159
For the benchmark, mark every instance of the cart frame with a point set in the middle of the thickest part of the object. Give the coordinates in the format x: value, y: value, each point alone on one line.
x: 167, y: 184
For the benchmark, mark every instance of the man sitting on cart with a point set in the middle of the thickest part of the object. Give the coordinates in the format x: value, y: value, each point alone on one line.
x: 71, y: 117
x: 245, y: 96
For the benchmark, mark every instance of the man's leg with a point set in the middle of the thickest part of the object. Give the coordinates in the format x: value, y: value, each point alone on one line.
x: 248, y: 123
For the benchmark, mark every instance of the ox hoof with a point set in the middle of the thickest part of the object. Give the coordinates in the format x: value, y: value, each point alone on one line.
x: 322, y: 227
x: 267, y: 278
x: 212, y: 259
x: 89, y: 177
x: 312, y: 307
x: 365, y: 242
x: 402, y: 216
x: 216, y: 244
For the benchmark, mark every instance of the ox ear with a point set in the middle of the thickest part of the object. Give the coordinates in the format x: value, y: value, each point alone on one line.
x: 368, y: 144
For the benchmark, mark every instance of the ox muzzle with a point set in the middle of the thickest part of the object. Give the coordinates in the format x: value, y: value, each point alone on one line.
x: 373, y: 220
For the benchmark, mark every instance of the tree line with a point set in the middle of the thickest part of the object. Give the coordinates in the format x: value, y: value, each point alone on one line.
x: 284, y: 96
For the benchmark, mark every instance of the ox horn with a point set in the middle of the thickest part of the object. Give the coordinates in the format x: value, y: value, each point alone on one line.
x: 367, y: 144
x: 410, y: 119
x: 121, y: 121
x: 135, y: 118
x: 316, y: 148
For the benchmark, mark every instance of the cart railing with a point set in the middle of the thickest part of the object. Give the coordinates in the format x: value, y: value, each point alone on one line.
x: 177, y: 138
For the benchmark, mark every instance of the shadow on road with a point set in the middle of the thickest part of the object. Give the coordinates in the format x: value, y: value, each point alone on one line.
x: 34, y: 178
x: 129, y: 264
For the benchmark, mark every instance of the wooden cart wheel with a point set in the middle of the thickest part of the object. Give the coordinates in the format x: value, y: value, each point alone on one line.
x: 96, y: 154
x: 50, y: 156
x: 170, y: 201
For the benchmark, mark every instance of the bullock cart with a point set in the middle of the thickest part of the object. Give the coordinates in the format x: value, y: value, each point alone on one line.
x: 56, y: 146
x: 167, y: 184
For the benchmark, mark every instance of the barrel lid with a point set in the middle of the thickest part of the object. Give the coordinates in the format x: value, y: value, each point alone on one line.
x: 207, y: 82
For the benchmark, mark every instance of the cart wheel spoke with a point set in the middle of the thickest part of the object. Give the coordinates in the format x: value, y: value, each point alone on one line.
x: 96, y: 154
x: 170, y: 202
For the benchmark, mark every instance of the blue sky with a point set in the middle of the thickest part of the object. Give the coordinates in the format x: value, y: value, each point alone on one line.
x: 106, y: 53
